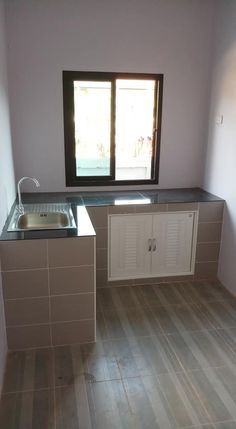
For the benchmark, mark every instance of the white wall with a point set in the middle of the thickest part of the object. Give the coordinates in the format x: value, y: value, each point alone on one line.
x: 220, y: 171
x: 173, y: 37
x: 7, y: 187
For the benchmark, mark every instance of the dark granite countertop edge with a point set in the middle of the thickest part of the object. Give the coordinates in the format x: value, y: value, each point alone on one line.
x: 101, y: 199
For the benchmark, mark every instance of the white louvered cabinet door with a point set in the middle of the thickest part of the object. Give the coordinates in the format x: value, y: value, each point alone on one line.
x: 129, y: 246
x: 173, y: 243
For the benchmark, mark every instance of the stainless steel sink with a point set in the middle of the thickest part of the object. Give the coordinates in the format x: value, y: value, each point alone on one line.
x: 42, y: 216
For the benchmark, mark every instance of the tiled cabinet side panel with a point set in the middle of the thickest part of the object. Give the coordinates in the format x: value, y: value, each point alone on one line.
x: 32, y: 311
x: 72, y: 290
x: 71, y: 280
x: 25, y: 289
x: 24, y: 337
x: 71, y: 252
x: 81, y: 331
x: 23, y: 254
x: 208, y: 239
x: 37, y: 296
x: 25, y: 284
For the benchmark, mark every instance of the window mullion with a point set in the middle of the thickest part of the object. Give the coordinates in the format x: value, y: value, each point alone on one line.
x: 113, y: 127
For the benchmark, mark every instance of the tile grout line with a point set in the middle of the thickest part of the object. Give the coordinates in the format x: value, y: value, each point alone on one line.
x: 46, y: 296
x: 49, y: 299
x: 50, y: 327
x: 45, y: 268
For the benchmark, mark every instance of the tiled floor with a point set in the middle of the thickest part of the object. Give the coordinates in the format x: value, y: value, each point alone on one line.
x: 165, y: 358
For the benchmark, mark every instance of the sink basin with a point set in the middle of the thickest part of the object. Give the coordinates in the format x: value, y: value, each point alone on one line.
x: 42, y: 220
x: 42, y: 216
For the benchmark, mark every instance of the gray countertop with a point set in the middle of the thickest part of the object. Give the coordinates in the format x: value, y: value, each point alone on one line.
x: 79, y: 202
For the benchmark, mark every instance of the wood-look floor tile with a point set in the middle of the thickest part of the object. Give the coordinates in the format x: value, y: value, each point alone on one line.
x: 199, y: 349
x: 100, y: 368
x: 109, y: 407
x: 14, y: 374
x: 148, y: 404
x: 100, y: 348
x: 27, y: 410
x: 105, y: 299
x: 210, y: 426
x: 183, y: 402
x: 101, y: 330
x: 28, y: 370
x: 183, y: 352
x: 147, y: 295
x: 190, y: 318
x: 223, y: 346
x: 126, y: 322
x: 144, y: 356
x: 187, y: 292
x: 217, y: 401
x: 65, y: 373
x: 226, y: 425
x: 67, y: 415
x: 208, y: 291
x: 207, y: 316
x: 224, y: 312
x: 142, y: 322
x: 124, y: 297
x: 229, y: 337
x: 164, y: 316
x: 70, y: 363
x: 168, y: 294
x: 209, y: 350
x: 165, y: 358
x: 114, y: 322
x: 227, y: 376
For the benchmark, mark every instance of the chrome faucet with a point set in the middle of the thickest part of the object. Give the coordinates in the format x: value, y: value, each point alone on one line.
x: 20, y: 205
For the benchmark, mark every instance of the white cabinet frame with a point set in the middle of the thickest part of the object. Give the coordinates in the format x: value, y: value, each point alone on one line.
x: 140, y: 246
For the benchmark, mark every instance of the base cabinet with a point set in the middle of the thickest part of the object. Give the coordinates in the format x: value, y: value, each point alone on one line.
x: 151, y: 245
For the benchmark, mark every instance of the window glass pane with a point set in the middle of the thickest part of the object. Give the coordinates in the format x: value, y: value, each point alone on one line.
x: 135, y: 100
x: 92, y: 109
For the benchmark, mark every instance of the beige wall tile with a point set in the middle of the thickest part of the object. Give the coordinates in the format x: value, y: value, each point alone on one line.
x: 127, y: 282
x: 207, y: 252
x: 71, y: 280
x: 71, y: 251
x: 211, y: 212
x: 23, y: 337
x: 98, y: 216
x: 101, y: 258
x: 101, y: 238
x: 101, y: 277
x: 150, y: 208
x: 129, y: 208
x: 73, y: 332
x: 30, y: 311
x: 182, y: 207
x: 72, y: 307
x: 209, y: 232
x: 103, y: 282
x: 157, y: 280
x: 23, y: 254
x: 25, y: 284
x: 206, y: 270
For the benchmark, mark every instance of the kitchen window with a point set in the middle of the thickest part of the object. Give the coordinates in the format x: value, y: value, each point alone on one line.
x: 112, y: 126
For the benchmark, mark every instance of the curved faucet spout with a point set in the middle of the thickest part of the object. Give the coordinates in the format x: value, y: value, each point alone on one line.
x: 20, y: 205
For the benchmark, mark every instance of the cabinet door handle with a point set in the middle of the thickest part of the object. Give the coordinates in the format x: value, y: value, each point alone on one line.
x: 149, y: 244
x: 154, y: 245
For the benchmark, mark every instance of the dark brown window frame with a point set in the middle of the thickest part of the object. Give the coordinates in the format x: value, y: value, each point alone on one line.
x: 69, y: 132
